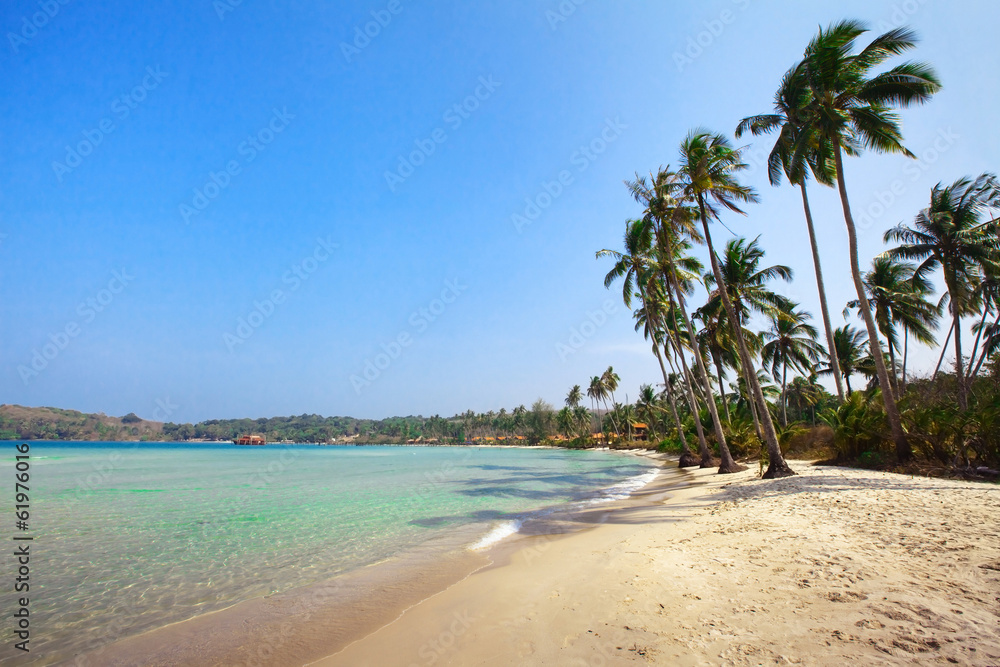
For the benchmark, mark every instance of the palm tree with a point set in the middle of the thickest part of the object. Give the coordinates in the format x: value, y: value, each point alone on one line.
x: 896, y: 294
x: 950, y: 235
x: 806, y: 393
x: 574, y: 397
x: 850, y: 109
x: 646, y: 408
x: 673, y: 219
x: 708, y: 165
x: 660, y: 339
x: 790, y: 102
x: 596, y: 393
x: 791, y: 341
x: 611, y: 380
x: 850, y: 344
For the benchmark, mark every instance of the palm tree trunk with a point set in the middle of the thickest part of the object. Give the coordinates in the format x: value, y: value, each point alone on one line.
x: 892, y: 378
x: 983, y: 355
x: 753, y: 406
x: 722, y: 389
x: 777, y: 467
x: 720, y: 437
x: 963, y: 402
x: 944, y: 350
x: 784, y: 394
x: 847, y: 381
x: 979, y: 337
x: 703, y: 450
x: 906, y: 354
x: 903, y: 450
x: 834, y: 365
x: 685, y: 450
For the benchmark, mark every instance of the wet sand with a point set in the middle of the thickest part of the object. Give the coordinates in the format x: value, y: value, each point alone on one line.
x: 832, y: 566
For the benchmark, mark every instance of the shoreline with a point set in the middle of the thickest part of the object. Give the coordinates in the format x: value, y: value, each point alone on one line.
x: 307, y: 623
x: 832, y: 566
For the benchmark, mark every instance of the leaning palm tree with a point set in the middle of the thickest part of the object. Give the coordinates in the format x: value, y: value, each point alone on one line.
x: 636, y: 268
x: 790, y: 103
x: 851, y: 109
x: 669, y: 210
x: 950, y: 235
x: 708, y: 166
x: 791, y: 341
x: 897, y: 295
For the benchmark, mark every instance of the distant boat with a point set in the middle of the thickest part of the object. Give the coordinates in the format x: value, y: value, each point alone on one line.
x: 250, y: 440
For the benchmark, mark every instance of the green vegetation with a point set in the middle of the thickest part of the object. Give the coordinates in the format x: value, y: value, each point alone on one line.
x: 833, y: 103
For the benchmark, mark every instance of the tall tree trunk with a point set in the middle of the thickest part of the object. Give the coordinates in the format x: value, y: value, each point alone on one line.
x: 903, y: 450
x: 685, y: 450
x: 906, y: 354
x: 986, y: 349
x: 963, y: 401
x: 784, y: 394
x: 834, y: 365
x: 752, y: 405
x: 777, y: 467
x: 727, y: 465
x: 892, y: 378
x: 703, y: 450
x: 722, y: 388
x: 979, y: 337
x: 847, y: 381
x: 944, y: 350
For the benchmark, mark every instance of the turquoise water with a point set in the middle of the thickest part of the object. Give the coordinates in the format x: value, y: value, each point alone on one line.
x: 130, y: 537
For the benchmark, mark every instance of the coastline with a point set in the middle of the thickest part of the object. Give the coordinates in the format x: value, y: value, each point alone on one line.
x: 832, y: 566
x: 304, y: 624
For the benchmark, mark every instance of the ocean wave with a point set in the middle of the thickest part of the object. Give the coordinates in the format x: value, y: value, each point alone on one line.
x: 499, y: 532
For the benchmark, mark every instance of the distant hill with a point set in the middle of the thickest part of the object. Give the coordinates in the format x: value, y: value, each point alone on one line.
x: 20, y: 423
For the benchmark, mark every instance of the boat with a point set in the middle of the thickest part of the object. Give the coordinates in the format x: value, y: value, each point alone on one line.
x: 250, y: 440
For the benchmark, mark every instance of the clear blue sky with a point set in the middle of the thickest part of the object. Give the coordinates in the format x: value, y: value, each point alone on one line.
x: 300, y: 133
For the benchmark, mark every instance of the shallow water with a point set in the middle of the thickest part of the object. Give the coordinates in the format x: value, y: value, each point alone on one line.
x: 132, y: 537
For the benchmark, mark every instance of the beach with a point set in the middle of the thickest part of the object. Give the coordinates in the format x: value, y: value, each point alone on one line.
x: 832, y: 566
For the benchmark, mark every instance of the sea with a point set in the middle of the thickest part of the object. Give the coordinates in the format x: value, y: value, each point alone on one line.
x: 129, y: 537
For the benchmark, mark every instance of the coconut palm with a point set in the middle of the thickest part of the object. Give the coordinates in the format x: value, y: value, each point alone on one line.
x: 950, y: 235
x: 708, y: 166
x: 611, y: 380
x: 669, y: 209
x: 597, y: 393
x: 851, y: 109
x: 637, y: 269
x: 790, y: 103
x: 897, y: 295
x: 791, y: 341
x: 574, y: 397
x: 850, y: 344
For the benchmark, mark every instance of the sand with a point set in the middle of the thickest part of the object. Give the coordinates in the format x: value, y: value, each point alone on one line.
x: 831, y: 567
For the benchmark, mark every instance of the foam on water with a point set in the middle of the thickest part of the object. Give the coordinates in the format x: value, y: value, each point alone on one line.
x: 229, y: 523
x: 505, y: 529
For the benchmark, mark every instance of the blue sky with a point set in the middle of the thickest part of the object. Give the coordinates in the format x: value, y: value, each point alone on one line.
x: 169, y: 169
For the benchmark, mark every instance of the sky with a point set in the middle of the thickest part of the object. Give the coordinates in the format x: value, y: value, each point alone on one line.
x: 222, y: 209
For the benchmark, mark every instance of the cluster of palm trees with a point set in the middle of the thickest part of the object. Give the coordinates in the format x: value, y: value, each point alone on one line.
x: 831, y: 104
